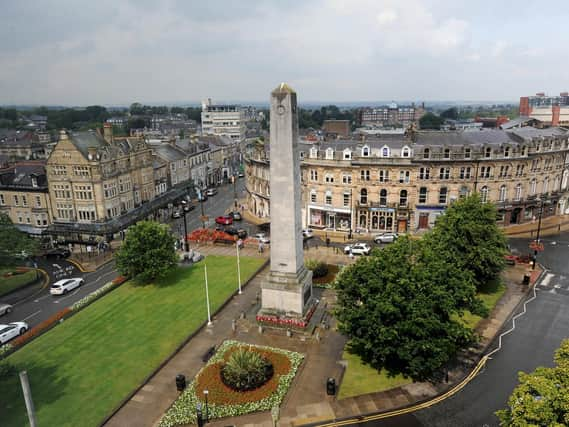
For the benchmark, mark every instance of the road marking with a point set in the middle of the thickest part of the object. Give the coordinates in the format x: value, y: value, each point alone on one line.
x: 546, y: 279
x: 67, y: 296
x: 32, y: 315
x: 39, y: 299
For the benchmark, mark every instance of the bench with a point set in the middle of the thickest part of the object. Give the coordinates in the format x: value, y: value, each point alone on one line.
x: 208, y: 354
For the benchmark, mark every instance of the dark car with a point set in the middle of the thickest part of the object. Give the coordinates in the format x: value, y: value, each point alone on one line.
x: 232, y: 231
x: 57, y: 253
x: 236, y: 216
x: 188, y: 207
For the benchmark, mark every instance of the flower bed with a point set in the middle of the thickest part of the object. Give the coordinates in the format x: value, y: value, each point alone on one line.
x: 93, y: 296
x: 39, y: 329
x: 287, y: 322
x: 225, y: 402
x: 209, y: 235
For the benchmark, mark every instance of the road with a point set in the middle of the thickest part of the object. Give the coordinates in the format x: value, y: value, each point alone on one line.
x: 537, y: 335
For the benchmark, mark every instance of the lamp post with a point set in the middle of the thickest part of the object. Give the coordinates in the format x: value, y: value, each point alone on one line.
x: 206, y: 392
x: 200, y: 195
x: 234, y: 179
x: 186, y: 245
x: 351, y: 213
x: 199, y: 416
x: 207, y: 296
x: 238, y: 269
x: 537, y: 235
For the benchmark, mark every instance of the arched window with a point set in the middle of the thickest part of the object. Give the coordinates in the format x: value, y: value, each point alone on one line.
x: 365, y: 151
x: 502, y: 197
x: 347, y: 154
x: 518, y: 195
x: 545, y: 185
x: 484, y: 194
x: 403, y: 198
x: 533, y: 185
x: 426, y: 153
x: 564, y: 180
x: 363, y: 196
x: 383, y: 197
x: 313, y: 153
x: 405, y: 152
x: 385, y: 152
x: 328, y: 199
x: 363, y: 221
x: 329, y: 153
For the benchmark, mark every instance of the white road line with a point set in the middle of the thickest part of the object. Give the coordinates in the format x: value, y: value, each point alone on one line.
x: 546, y: 279
x: 39, y: 299
x: 65, y: 297
x: 32, y: 315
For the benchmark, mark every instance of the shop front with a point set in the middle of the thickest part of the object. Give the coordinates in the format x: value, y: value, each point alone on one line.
x: 376, y: 219
x: 336, y: 219
x: 427, y: 216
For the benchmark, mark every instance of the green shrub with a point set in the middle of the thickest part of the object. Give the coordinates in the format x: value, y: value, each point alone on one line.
x: 7, y: 370
x: 318, y: 268
x: 246, y: 370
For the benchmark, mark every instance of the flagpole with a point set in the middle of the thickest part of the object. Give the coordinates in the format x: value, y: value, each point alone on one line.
x: 238, y: 270
x: 207, y: 295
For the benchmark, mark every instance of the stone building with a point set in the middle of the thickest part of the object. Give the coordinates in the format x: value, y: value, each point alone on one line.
x: 24, y: 196
x: 403, y: 182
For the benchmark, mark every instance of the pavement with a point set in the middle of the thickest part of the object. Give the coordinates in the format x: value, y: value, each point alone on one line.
x: 307, y: 402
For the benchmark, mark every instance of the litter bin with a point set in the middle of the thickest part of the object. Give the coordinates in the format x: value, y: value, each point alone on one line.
x: 526, y: 279
x: 331, y: 387
x: 180, y: 382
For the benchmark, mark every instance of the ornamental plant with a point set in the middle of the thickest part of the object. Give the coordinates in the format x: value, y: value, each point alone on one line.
x: 246, y: 370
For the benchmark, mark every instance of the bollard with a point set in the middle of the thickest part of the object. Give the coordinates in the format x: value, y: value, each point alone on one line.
x: 260, y: 329
x: 233, y: 325
x: 288, y: 333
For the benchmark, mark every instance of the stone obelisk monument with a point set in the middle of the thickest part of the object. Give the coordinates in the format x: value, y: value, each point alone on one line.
x: 288, y: 289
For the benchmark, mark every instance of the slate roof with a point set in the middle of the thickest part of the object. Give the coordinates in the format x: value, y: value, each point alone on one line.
x: 168, y: 152
x: 20, y: 176
x: 13, y: 137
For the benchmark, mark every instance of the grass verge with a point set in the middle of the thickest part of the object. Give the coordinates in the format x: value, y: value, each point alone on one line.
x: 11, y: 283
x: 83, y: 368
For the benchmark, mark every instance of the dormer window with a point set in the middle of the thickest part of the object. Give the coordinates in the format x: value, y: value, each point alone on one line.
x: 314, y: 153
x: 467, y: 153
x: 365, y: 151
x: 405, y: 152
x: 426, y: 153
x: 506, y: 151
x: 329, y: 154
x: 487, y: 152
x: 385, y: 152
x: 347, y: 154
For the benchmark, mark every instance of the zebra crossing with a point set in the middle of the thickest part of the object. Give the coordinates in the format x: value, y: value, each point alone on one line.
x: 555, y: 284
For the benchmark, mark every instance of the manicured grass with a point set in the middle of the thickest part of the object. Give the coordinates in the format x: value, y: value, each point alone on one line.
x: 361, y: 378
x: 490, y: 295
x: 82, y: 369
x: 11, y: 283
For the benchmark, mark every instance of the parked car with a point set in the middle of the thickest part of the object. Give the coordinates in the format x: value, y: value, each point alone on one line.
x: 262, y: 237
x: 5, y: 309
x: 307, y: 233
x: 358, y: 249
x: 232, y: 231
x: 63, y: 286
x: 385, y: 238
x: 211, y: 192
x: 202, y: 196
x: 236, y: 216
x: 57, y: 253
x: 241, y: 233
x: 189, y: 207
x: 241, y: 175
x: 224, y: 220
x: 176, y: 214
x: 12, y: 330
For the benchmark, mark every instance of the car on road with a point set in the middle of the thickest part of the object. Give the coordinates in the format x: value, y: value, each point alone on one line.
x: 224, y: 220
x: 385, y: 238
x: 262, y: 237
x: 63, y: 286
x: 12, y: 330
x: 358, y: 249
x: 236, y: 216
x: 176, y: 214
x: 57, y: 253
x: 211, y: 192
x: 232, y: 231
x: 307, y: 233
x: 5, y: 309
x: 241, y: 175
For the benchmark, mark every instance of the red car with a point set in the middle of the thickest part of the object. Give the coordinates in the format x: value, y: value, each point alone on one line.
x: 224, y: 220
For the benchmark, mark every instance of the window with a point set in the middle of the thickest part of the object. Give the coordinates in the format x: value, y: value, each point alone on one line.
x: 444, y: 173
x: 346, y: 199
x: 313, y: 196
x: 463, y: 192
x: 484, y: 194
x: 329, y: 178
x: 2, y: 200
x: 533, y: 185
x: 534, y: 165
x: 518, y: 194
x: 365, y: 151
x: 60, y: 170
x: 403, y: 198
x: 383, y: 175
x: 488, y: 152
x: 365, y: 175
x: 506, y: 151
x: 314, y: 153
x: 385, y: 152
x: 81, y: 170
x: 465, y: 172
x: 446, y: 153
x: 426, y: 153
x: 443, y: 195
x: 16, y: 200
x: 383, y: 197
x: 347, y: 154
x: 545, y: 185
x: 424, y: 173
x: 329, y: 154
x: 347, y: 179
x: 524, y: 151
x: 24, y: 200
x: 328, y: 199
x: 520, y: 170
x: 504, y: 171
x: 404, y: 177
x: 313, y: 175
x: 502, y: 197
x: 301, y: 153
x: 405, y: 152
x: 467, y: 153
x: 485, y: 171
x: 38, y: 202
x: 423, y: 195
x: 363, y: 196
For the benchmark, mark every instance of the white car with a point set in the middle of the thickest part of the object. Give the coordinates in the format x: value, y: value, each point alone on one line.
x: 65, y: 285
x: 12, y: 330
x: 358, y: 249
x: 5, y: 309
x: 307, y: 233
x: 385, y: 238
x: 211, y: 192
x: 262, y: 237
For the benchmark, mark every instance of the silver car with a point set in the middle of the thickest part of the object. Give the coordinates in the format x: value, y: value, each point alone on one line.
x: 5, y: 309
x: 12, y: 330
x: 385, y: 238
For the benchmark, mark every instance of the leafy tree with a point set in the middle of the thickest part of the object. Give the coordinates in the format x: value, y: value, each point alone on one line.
x: 136, y: 108
x: 401, y: 309
x: 147, y: 251
x: 542, y: 397
x: 467, y: 233
x: 14, y: 244
x: 431, y: 121
x: 137, y: 123
x: 450, y: 113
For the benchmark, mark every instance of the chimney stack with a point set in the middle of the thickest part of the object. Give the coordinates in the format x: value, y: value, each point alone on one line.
x: 108, y: 132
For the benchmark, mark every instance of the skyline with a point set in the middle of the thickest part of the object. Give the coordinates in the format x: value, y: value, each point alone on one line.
x: 330, y: 51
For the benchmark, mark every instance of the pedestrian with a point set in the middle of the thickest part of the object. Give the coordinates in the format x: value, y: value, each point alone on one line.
x: 260, y: 247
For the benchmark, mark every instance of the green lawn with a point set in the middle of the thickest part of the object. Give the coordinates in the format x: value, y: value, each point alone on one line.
x: 490, y: 295
x: 361, y: 378
x: 83, y: 368
x: 8, y: 284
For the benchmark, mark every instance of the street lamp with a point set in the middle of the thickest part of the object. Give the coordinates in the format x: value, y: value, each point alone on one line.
x: 186, y: 244
x: 238, y: 268
x: 199, y: 416
x: 207, y: 296
x: 351, y: 213
x: 537, y: 235
x: 234, y: 179
x: 206, y: 392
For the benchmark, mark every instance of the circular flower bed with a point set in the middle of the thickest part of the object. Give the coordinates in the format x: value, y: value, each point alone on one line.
x: 246, y: 370
x: 225, y: 401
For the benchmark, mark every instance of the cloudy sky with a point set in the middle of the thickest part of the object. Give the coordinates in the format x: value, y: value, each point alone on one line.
x: 79, y: 52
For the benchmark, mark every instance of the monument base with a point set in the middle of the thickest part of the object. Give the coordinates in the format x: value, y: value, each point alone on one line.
x: 287, y: 294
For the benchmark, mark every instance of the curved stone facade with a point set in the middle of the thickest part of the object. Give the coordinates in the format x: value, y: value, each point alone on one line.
x: 403, y: 182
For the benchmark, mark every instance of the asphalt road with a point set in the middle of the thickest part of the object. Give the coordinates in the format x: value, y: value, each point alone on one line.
x: 537, y: 335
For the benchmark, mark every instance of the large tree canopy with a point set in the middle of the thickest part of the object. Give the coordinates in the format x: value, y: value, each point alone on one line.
x: 467, y: 233
x: 400, y: 308
x: 542, y: 397
x: 14, y: 244
x: 147, y: 252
